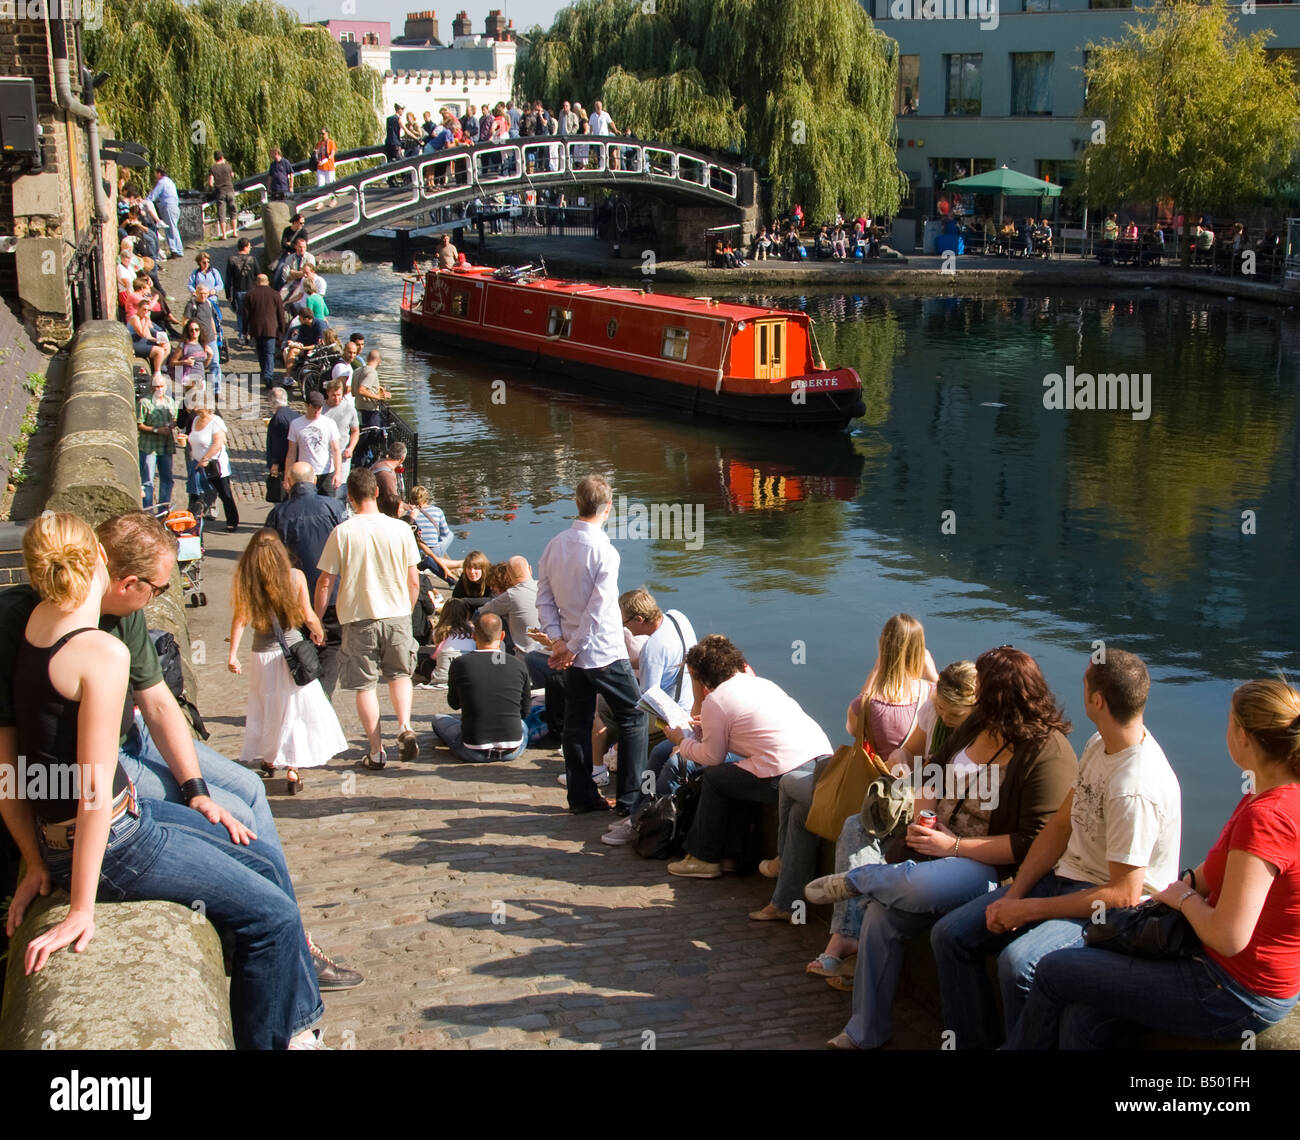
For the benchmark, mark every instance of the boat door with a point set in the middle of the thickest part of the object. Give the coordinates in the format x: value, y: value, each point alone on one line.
x: 769, y: 350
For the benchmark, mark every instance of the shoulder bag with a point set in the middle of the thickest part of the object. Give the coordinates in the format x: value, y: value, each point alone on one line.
x: 846, y: 778
x: 659, y: 828
x: 301, y: 657
x: 1148, y: 930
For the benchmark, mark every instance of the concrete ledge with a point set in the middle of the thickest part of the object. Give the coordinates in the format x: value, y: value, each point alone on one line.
x: 152, y: 978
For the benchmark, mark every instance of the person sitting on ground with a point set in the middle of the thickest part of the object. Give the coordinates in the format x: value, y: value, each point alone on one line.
x: 433, y: 536
x: 68, y: 707
x: 494, y: 693
x: 997, y: 778
x: 315, y: 300
x: 1113, y: 839
x: 471, y: 586
x: 840, y: 243
x: 306, y: 334
x: 747, y: 717
x: 517, y: 604
x: 287, y: 726
x: 1242, y: 901
x: 452, y: 635
x: 146, y: 341
x: 898, y: 684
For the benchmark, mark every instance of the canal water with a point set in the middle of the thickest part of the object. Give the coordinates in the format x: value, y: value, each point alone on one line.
x: 960, y: 498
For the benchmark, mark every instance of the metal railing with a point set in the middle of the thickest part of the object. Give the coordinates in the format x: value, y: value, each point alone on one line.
x: 398, y: 429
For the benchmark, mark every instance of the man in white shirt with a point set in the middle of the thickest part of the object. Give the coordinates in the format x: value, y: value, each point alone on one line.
x: 314, y: 438
x: 341, y: 411
x: 600, y: 122
x: 375, y: 562
x: 1113, y: 841
x: 577, y: 601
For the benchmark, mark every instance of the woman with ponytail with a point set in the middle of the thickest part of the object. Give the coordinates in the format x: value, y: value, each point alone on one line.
x: 90, y: 835
x: 1243, y: 901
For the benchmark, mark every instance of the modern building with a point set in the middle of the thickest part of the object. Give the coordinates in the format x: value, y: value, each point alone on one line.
x: 983, y: 83
x: 423, y: 72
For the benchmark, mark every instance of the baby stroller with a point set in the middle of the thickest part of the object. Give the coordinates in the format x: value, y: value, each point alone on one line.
x: 188, y: 530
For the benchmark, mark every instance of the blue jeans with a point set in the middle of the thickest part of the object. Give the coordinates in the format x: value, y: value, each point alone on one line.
x: 171, y: 853
x: 671, y: 770
x: 161, y: 463
x: 1088, y: 998
x: 962, y: 939
x: 241, y: 324
x: 448, y: 730
x: 171, y: 218
x: 266, y: 359
x: 232, y: 786
x: 902, y: 900
x: 796, y: 845
x: 617, y: 684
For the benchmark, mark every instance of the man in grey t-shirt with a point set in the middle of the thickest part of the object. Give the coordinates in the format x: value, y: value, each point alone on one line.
x: 369, y: 393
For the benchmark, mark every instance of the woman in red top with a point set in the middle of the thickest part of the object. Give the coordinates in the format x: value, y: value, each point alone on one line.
x: 1243, y: 901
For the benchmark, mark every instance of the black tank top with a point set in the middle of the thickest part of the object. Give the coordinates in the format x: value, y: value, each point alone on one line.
x: 46, y: 727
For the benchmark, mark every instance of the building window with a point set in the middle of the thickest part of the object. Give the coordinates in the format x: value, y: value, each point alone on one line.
x: 1031, y: 82
x: 1045, y: 5
x: 459, y: 304
x: 346, y: 37
x: 675, y: 343
x: 560, y: 322
x: 907, y: 98
x: 1110, y: 3
x: 964, y: 84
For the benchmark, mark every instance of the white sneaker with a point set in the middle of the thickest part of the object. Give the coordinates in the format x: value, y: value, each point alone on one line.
x: 599, y: 774
x: 308, y: 1039
x: 611, y: 758
x: 619, y: 834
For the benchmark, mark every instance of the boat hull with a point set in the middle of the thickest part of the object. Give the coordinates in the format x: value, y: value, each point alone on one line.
x: 811, y: 408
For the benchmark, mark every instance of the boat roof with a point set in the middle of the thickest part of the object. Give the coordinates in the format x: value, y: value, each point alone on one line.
x: 665, y: 302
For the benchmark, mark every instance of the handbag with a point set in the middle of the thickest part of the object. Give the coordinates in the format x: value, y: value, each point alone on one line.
x: 1148, y: 930
x: 660, y: 827
x: 301, y: 657
x: 843, y: 782
x: 274, y: 489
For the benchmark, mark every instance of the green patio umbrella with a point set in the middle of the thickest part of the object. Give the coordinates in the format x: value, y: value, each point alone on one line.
x: 1007, y: 183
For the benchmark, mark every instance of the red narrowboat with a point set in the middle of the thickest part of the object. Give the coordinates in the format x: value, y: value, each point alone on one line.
x: 695, y: 354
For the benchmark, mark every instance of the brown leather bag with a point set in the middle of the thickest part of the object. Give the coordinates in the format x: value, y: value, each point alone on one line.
x: 843, y: 782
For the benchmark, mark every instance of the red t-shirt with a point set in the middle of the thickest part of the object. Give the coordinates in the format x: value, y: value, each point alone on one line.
x: 1266, y: 825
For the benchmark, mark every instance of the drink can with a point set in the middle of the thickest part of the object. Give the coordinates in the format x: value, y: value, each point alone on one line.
x: 927, y: 819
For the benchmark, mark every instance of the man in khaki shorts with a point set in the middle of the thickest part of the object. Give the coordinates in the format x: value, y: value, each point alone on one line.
x: 375, y: 561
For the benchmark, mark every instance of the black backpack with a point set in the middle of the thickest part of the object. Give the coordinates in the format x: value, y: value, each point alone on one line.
x: 660, y: 827
x: 169, y: 657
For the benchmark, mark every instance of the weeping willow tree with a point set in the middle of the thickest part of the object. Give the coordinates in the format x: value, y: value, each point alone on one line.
x: 803, y: 92
x: 239, y: 76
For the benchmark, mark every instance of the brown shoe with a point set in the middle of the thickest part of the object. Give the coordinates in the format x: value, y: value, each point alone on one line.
x: 410, y: 747
x: 693, y: 868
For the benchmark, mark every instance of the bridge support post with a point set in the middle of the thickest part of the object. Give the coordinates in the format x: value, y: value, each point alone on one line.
x: 402, y: 251
x: 275, y: 216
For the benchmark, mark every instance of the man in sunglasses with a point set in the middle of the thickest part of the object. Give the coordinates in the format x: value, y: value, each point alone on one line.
x: 159, y: 752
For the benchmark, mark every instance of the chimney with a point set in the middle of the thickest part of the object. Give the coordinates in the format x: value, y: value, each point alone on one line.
x: 421, y: 25
x: 495, y: 27
x: 461, y: 26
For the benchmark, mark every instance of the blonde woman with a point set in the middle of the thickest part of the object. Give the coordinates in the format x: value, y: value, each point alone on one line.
x: 897, y: 686
x: 91, y: 836
x: 1243, y: 901
x: 288, y: 726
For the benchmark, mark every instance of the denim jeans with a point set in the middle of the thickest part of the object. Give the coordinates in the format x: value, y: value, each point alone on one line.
x: 617, y: 684
x: 171, y: 853
x: 796, y: 844
x: 962, y: 939
x: 241, y: 323
x: 448, y: 730
x: 1088, y: 998
x: 854, y: 848
x: 171, y: 218
x: 552, y: 682
x: 266, y: 359
x: 902, y: 900
x: 723, y: 785
x: 161, y: 463
x: 671, y: 770
x: 232, y: 786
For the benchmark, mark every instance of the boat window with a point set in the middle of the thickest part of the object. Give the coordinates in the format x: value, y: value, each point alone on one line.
x: 675, y: 342
x: 560, y: 322
x: 459, y: 304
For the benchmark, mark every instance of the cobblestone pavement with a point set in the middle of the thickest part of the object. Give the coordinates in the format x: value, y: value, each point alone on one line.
x: 482, y: 914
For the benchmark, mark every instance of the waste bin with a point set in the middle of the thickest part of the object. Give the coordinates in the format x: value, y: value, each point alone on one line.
x: 191, y: 224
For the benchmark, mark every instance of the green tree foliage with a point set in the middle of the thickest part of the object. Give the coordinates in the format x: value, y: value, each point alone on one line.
x: 805, y: 92
x: 1193, y: 111
x: 239, y: 76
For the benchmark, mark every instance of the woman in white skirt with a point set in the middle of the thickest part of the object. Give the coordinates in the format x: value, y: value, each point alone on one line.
x: 288, y: 726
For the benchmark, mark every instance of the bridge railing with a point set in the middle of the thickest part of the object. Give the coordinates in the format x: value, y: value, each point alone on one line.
x: 391, y: 191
